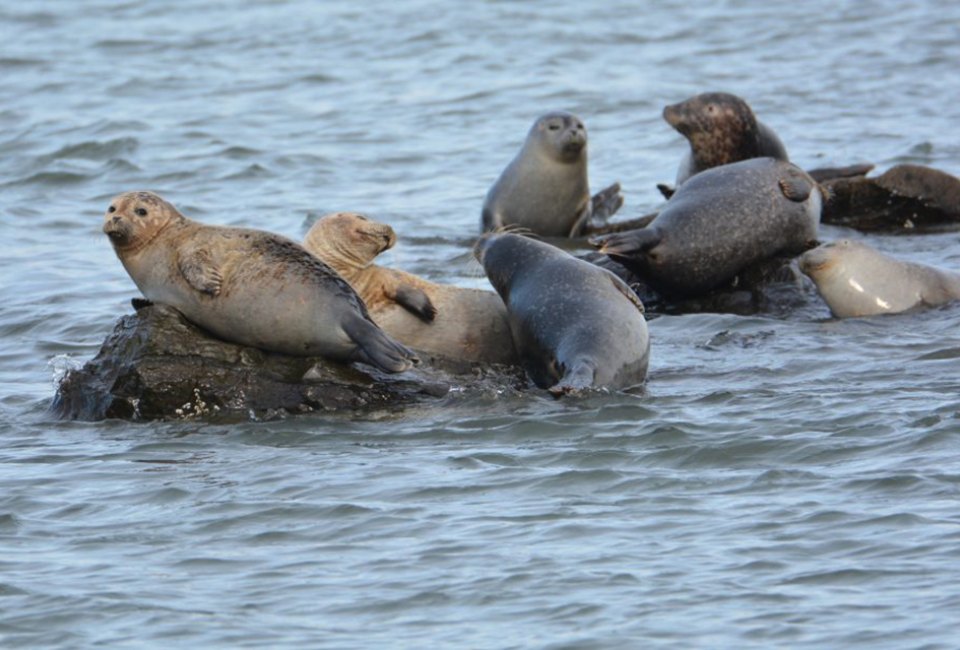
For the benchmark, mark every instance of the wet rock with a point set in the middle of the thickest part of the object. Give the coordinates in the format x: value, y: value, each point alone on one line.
x: 156, y: 365
x: 905, y: 198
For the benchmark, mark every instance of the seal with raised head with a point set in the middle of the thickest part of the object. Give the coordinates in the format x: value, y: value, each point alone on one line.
x: 721, y: 129
x: 720, y: 222
x: 574, y: 324
x: 246, y: 286
x: 544, y: 188
x: 856, y: 279
x: 434, y: 319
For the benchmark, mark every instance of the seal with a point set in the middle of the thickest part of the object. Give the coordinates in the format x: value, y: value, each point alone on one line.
x: 544, y: 188
x: 721, y: 129
x: 434, y: 319
x: 856, y: 279
x: 246, y: 286
x: 574, y: 324
x: 720, y: 222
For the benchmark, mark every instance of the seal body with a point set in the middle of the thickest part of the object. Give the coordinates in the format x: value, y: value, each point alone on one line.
x: 246, y: 286
x: 574, y: 325
x: 721, y: 129
x: 855, y: 279
x: 544, y: 188
x: 435, y: 319
x: 720, y: 222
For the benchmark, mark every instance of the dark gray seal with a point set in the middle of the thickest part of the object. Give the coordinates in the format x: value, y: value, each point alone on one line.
x: 720, y: 222
x: 574, y: 325
x: 857, y: 280
x: 246, y: 286
x: 544, y: 189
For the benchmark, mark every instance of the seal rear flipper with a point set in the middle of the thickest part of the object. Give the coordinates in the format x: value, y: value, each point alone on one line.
x: 666, y: 190
x: 578, y: 377
x: 416, y: 301
x: 625, y: 244
x: 605, y: 203
x: 822, y: 174
x: 378, y: 349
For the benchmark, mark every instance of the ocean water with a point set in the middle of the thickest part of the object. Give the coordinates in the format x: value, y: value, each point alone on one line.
x: 787, y: 482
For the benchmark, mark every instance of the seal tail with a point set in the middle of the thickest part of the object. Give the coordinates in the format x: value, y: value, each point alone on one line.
x: 577, y: 377
x: 377, y: 349
x: 628, y: 243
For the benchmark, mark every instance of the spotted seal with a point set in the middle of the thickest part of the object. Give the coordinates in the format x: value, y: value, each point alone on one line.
x: 575, y: 325
x: 246, y: 286
x: 544, y: 188
x: 435, y: 319
x: 856, y: 279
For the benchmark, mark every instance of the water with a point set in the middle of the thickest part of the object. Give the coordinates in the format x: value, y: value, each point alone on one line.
x: 783, y: 482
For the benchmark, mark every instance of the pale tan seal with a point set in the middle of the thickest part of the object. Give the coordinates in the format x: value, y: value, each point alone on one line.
x: 544, y: 189
x: 435, y: 319
x: 246, y: 286
x: 855, y: 279
x: 575, y: 325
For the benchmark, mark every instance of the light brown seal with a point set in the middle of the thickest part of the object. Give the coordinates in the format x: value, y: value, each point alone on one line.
x: 544, y: 189
x: 435, y: 319
x: 246, y: 286
x: 575, y: 325
x: 855, y: 279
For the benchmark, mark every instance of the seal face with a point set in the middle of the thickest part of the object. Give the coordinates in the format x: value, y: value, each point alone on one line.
x: 855, y: 279
x: 435, y: 319
x: 721, y: 129
x: 544, y: 189
x: 720, y: 222
x: 575, y: 325
x: 246, y: 286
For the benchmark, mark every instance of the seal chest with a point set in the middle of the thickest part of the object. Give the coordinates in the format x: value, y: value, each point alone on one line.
x: 246, y: 286
x: 575, y: 325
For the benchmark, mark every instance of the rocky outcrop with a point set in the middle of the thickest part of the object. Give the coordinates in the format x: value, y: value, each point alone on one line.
x: 156, y: 365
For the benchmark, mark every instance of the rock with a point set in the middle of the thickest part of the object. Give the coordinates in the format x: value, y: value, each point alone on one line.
x: 155, y: 366
x: 904, y: 198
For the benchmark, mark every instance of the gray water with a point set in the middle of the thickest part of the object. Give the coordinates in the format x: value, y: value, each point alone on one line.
x: 782, y: 482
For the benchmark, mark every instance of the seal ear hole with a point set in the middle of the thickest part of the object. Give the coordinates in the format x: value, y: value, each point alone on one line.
x: 112, y: 209
x: 140, y: 212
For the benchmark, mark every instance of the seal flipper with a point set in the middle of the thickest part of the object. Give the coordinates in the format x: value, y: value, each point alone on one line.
x: 579, y: 376
x: 822, y: 174
x: 490, y: 220
x: 416, y: 301
x: 376, y: 348
x: 200, y: 272
x: 140, y: 303
x: 630, y: 242
x: 666, y: 190
x: 629, y: 293
x: 796, y: 186
x: 605, y: 203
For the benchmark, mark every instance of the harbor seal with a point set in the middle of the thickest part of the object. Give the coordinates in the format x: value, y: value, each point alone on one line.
x: 721, y: 129
x: 718, y: 223
x: 544, y: 188
x: 434, y: 319
x: 246, y: 286
x: 855, y: 279
x: 575, y: 325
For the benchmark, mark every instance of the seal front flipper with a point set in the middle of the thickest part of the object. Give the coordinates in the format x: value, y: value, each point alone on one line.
x: 490, y: 220
x: 629, y: 293
x: 416, y: 302
x: 796, y: 186
x: 200, y: 271
x: 605, y: 203
x: 376, y: 348
x: 578, y: 376
x: 822, y: 174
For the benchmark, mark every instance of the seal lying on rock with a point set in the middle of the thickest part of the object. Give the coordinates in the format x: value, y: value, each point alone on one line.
x: 575, y: 325
x: 545, y: 189
x: 436, y: 319
x: 721, y: 129
x: 246, y: 286
x: 718, y: 223
x: 858, y: 280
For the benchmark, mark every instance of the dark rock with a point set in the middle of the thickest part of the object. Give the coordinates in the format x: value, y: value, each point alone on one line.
x: 905, y: 198
x: 156, y: 365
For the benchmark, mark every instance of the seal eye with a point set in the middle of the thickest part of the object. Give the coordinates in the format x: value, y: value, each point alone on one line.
x: 112, y: 208
x: 140, y: 212
x: 554, y: 127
